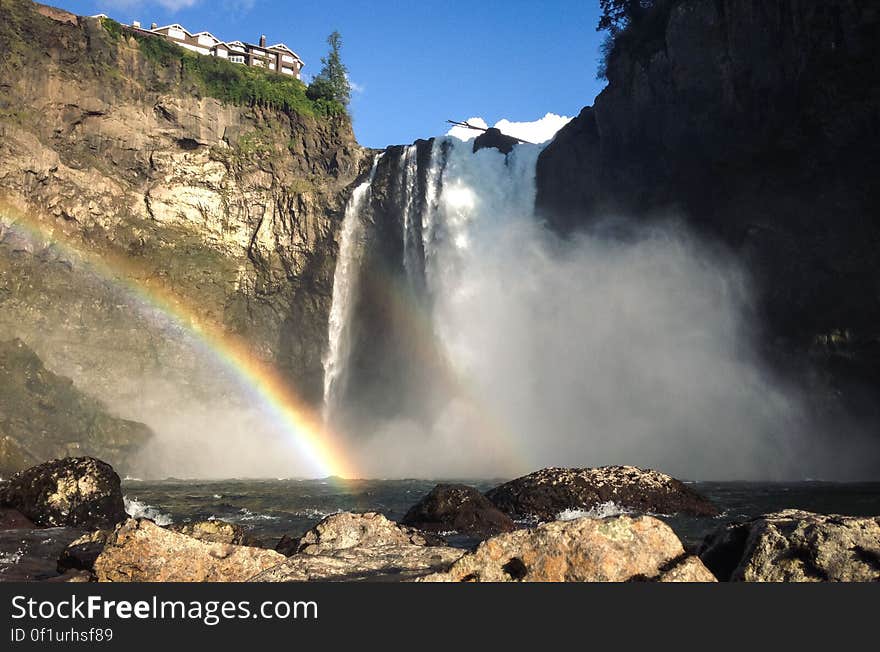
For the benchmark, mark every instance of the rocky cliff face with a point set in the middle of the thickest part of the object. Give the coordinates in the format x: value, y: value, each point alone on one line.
x: 232, y: 210
x: 44, y: 416
x: 757, y: 122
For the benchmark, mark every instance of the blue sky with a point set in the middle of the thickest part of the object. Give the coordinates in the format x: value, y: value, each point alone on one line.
x: 414, y: 64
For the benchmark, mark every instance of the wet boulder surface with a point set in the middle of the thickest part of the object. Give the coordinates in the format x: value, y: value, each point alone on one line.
x: 618, y: 549
x: 796, y: 546
x: 73, y: 492
x: 543, y: 495
x: 458, y: 508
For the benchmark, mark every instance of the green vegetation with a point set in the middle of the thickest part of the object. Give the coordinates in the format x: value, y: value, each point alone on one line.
x: 331, y: 84
x: 637, y: 27
x: 230, y: 82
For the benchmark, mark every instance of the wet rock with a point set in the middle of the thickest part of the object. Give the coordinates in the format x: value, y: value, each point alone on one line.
x: 287, y: 545
x: 12, y: 519
x: 796, y: 546
x: 543, y: 495
x: 458, y: 508
x: 617, y: 549
x: 81, y: 554
x: 77, y: 492
x: 370, y: 530
x: 493, y: 137
x: 32, y: 555
x: 361, y: 547
x: 215, y: 532
x: 141, y: 551
x: 689, y: 569
x: 73, y: 577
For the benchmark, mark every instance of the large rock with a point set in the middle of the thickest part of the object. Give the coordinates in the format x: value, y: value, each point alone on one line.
x: 348, y: 530
x: 77, y: 492
x: 230, y: 211
x: 215, y: 532
x: 796, y: 546
x: 361, y: 547
x: 617, y: 549
x: 44, y: 416
x: 458, y: 508
x: 141, y: 551
x: 543, y: 495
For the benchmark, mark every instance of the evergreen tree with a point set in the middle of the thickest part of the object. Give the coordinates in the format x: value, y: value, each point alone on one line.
x: 618, y: 14
x: 332, y: 82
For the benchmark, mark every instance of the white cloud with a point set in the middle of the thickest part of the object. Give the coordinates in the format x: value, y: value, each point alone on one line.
x: 538, y: 131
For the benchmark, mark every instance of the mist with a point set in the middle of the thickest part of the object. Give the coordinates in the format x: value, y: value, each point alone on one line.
x: 628, y: 344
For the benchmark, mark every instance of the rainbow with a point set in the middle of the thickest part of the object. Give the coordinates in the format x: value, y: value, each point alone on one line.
x: 323, y: 449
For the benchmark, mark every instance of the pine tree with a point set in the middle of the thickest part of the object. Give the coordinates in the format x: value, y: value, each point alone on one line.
x: 332, y: 82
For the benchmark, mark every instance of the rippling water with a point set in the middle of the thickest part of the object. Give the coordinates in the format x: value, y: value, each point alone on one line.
x: 273, y: 508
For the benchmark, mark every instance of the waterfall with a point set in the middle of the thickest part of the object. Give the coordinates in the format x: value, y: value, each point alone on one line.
x: 344, y: 291
x: 468, y: 340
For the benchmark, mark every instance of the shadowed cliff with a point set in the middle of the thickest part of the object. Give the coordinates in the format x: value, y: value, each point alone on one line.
x: 757, y: 122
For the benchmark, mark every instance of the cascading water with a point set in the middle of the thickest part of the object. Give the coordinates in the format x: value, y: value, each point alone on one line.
x: 467, y: 340
x: 344, y: 288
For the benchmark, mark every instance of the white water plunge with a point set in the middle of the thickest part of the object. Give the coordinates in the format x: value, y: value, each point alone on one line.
x: 344, y: 289
x: 582, y: 352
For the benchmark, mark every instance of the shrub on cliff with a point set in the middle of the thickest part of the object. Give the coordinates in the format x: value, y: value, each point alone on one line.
x: 635, y: 26
x: 227, y: 81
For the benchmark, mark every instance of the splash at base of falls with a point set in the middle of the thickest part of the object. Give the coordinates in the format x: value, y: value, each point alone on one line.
x: 486, y: 345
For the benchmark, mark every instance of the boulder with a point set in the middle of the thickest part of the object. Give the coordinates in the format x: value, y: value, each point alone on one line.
x: 74, y: 492
x: 616, y: 549
x: 796, y: 546
x: 81, y: 554
x: 141, y: 551
x: 543, y: 495
x: 361, y: 547
x: 12, y: 519
x: 215, y: 532
x: 458, y: 508
x: 347, y: 530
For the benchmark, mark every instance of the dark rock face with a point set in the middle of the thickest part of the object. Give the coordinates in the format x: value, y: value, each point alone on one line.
x: 544, y: 494
x: 287, y: 545
x: 12, y: 519
x: 73, y: 492
x: 493, y: 137
x: 44, y: 416
x: 757, y: 123
x: 81, y: 554
x: 795, y: 546
x: 459, y: 508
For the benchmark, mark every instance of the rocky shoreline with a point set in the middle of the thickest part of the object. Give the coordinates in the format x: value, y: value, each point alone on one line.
x: 64, y: 521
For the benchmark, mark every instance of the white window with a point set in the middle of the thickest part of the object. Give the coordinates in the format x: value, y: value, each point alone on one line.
x: 271, y: 66
x: 287, y: 58
x: 261, y: 64
x: 236, y: 59
x: 287, y: 71
x: 176, y: 33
